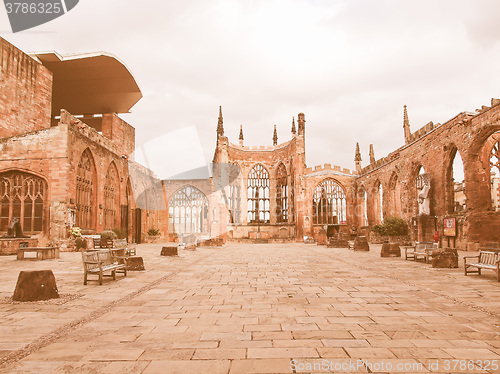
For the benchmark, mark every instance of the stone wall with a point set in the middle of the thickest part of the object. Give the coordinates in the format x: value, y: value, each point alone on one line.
x: 25, y: 102
x: 434, y: 149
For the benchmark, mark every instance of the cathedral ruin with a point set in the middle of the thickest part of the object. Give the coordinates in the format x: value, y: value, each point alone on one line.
x: 67, y: 159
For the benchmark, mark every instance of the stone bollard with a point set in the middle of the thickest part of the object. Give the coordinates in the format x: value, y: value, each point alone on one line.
x: 361, y: 244
x: 135, y: 263
x: 169, y: 251
x: 337, y: 243
x: 35, y: 286
x: 390, y: 250
x: 445, y: 258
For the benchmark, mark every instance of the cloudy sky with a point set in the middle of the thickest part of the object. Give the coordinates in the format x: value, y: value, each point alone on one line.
x: 349, y: 65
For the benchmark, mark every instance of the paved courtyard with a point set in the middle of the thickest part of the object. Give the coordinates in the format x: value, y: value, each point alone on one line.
x: 262, y: 308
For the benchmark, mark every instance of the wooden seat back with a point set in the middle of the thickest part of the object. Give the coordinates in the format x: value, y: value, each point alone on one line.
x: 489, y: 258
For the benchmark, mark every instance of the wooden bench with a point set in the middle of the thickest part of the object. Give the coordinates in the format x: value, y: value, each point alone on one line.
x: 484, y: 260
x: 99, y: 262
x: 37, y: 253
x: 421, y: 250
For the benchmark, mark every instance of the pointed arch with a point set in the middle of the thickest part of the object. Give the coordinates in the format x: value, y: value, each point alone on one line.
x: 111, y: 197
x: 378, y: 200
x: 258, y: 195
x: 24, y: 196
x: 329, y: 203
x: 362, y: 208
x: 281, y: 194
x: 188, y: 211
x: 454, y: 180
x: 493, y: 144
x: 395, y: 196
x: 85, y: 191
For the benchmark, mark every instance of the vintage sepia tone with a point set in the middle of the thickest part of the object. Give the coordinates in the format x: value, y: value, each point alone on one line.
x: 237, y: 295
x: 67, y: 160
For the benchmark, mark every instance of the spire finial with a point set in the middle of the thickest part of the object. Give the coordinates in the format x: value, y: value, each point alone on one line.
x: 406, y: 126
x: 220, y: 127
x: 275, y: 136
x: 357, y: 156
x: 357, y: 159
x: 293, y: 125
x: 241, y: 135
x: 372, y: 154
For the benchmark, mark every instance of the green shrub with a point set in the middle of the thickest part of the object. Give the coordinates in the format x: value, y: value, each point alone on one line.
x: 108, y: 235
x: 153, y: 232
x: 121, y: 234
x: 393, y: 226
x: 80, y: 243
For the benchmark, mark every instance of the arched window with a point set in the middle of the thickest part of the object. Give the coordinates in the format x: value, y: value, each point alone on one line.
x: 378, y: 203
x: 258, y: 195
x: 495, y: 172
x: 394, y: 196
x: 329, y: 203
x: 188, y: 212
x: 234, y: 194
x: 111, y: 197
x: 362, y: 211
x: 85, y: 191
x: 22, y: 196
x: 458, y: 185
x: 281, y: 195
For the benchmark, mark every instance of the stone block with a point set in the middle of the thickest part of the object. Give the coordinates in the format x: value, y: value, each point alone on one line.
x: 361, y: 244
x: 169, y: 251
x: 390, y: 250
x: 445, y: 258
x: 35, y: 285
x: 337, y: 243
x: 135, y: 263
x: 322, y: 239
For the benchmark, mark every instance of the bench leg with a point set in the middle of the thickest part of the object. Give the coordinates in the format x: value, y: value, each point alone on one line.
x: 113, y: 273
x: 100, y: 277
x: 85, y: 278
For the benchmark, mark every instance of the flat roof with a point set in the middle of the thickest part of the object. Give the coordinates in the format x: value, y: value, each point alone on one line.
x: 92, y: 83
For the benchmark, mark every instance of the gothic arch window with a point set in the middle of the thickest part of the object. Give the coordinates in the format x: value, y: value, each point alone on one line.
x: 258, y: 195
x: 281, y: 194
x: 111, y: 197
x: 234, y: 194
x: 362, y: 208
x: 22, y: 196
x: 378, y: 203
x: 495, y: 171
x: 329, y: 203
x: 395, y: 196
x: 188, y: 212
x: 85, y: 191
x: 456, y: 183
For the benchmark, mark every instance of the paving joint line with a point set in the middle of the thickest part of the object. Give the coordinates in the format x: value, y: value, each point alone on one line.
x: 420, y: 288
x: 66, y: 329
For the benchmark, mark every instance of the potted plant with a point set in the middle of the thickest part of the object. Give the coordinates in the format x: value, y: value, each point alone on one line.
x: 393, y: 228
x: 107, y: 238
x: 153, y: 235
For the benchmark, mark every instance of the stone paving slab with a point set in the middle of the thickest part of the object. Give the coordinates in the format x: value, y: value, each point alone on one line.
x: 263, y: 308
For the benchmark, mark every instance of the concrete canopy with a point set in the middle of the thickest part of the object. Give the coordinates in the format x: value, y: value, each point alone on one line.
x: 93, y: 83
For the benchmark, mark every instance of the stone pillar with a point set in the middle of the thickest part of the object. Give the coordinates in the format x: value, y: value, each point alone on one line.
x: 426, y: 226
